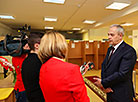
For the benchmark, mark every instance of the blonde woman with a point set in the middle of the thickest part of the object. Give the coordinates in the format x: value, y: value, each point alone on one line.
x: 60, y: 81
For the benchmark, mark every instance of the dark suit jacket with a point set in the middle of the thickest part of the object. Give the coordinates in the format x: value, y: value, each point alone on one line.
x: 117, y: 73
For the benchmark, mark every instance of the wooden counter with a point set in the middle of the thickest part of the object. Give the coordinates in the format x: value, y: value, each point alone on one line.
x: 7, y: 95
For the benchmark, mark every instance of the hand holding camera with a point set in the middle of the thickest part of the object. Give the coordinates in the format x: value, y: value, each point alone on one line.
x: 86, y: 66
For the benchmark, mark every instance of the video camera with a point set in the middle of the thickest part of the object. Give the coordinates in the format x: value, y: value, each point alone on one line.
x: 86, y: 66
x: 13, y: 45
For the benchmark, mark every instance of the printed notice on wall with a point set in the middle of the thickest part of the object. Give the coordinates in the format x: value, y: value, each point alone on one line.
x: 87, y: 45
x: 73, y: 45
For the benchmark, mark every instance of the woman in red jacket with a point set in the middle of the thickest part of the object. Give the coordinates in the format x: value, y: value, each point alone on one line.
x: 60, y: 81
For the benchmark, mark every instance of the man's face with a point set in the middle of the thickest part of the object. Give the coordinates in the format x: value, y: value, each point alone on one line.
x: 26, y: 47
x: 113, y: 36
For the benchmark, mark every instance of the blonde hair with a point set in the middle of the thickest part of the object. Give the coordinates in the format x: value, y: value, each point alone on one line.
x: 52, y: 44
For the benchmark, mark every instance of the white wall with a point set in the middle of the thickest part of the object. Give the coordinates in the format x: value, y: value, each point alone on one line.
x: 135, y: 40
x: 98, y: 34
x: 85, y: 36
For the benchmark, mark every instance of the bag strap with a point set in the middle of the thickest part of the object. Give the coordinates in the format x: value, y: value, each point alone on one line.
x: 19, y: 47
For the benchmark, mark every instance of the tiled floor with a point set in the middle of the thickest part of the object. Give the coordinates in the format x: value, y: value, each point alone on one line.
x: 93, y: 97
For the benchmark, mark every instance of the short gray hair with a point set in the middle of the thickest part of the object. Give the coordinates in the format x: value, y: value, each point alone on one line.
x: 120, y: 29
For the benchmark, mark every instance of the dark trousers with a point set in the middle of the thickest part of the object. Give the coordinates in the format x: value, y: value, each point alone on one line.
x: 20, y: 96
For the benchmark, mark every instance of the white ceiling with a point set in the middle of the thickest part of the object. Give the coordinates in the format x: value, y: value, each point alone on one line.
x: 71, y: 14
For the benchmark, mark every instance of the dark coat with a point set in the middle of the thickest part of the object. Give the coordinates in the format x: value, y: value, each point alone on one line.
x: 117, y: 73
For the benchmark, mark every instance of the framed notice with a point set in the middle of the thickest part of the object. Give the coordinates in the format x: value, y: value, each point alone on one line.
x: 73, y: 45
x: 87, y: 45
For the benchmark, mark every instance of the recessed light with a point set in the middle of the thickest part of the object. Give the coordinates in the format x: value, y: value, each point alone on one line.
x: 76, y: 28
x: 117, y: 4
x: 83, y: 30
x: 50, y: 19
x: 49, y: 27
x: 89, y: 21
x: 6, y: 17
x: 55, y: 1
x: 98, y: 24
x: 127, y: 24
x: 69, y: 32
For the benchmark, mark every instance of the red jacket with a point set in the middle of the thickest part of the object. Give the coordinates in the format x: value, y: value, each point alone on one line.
x: 17, y: 63
x: 62, y: 82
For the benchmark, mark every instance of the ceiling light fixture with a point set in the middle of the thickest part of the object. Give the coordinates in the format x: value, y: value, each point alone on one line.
x: 83, y: 30
x: 127, y: 24
x: 89, y: 21
x: 49, y: 27
x: 70, y: 32
x: 98, y: 24
x: 55, y: 1
x: 50, y: 19
x: 6, y: 17
x: 76, y: 28
x: 117, y: 4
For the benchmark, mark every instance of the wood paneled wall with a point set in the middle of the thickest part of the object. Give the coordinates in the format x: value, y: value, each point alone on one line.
x: 84, y: 51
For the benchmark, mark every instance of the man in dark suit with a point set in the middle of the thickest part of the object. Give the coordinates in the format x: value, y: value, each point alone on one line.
x: 117, y: 68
